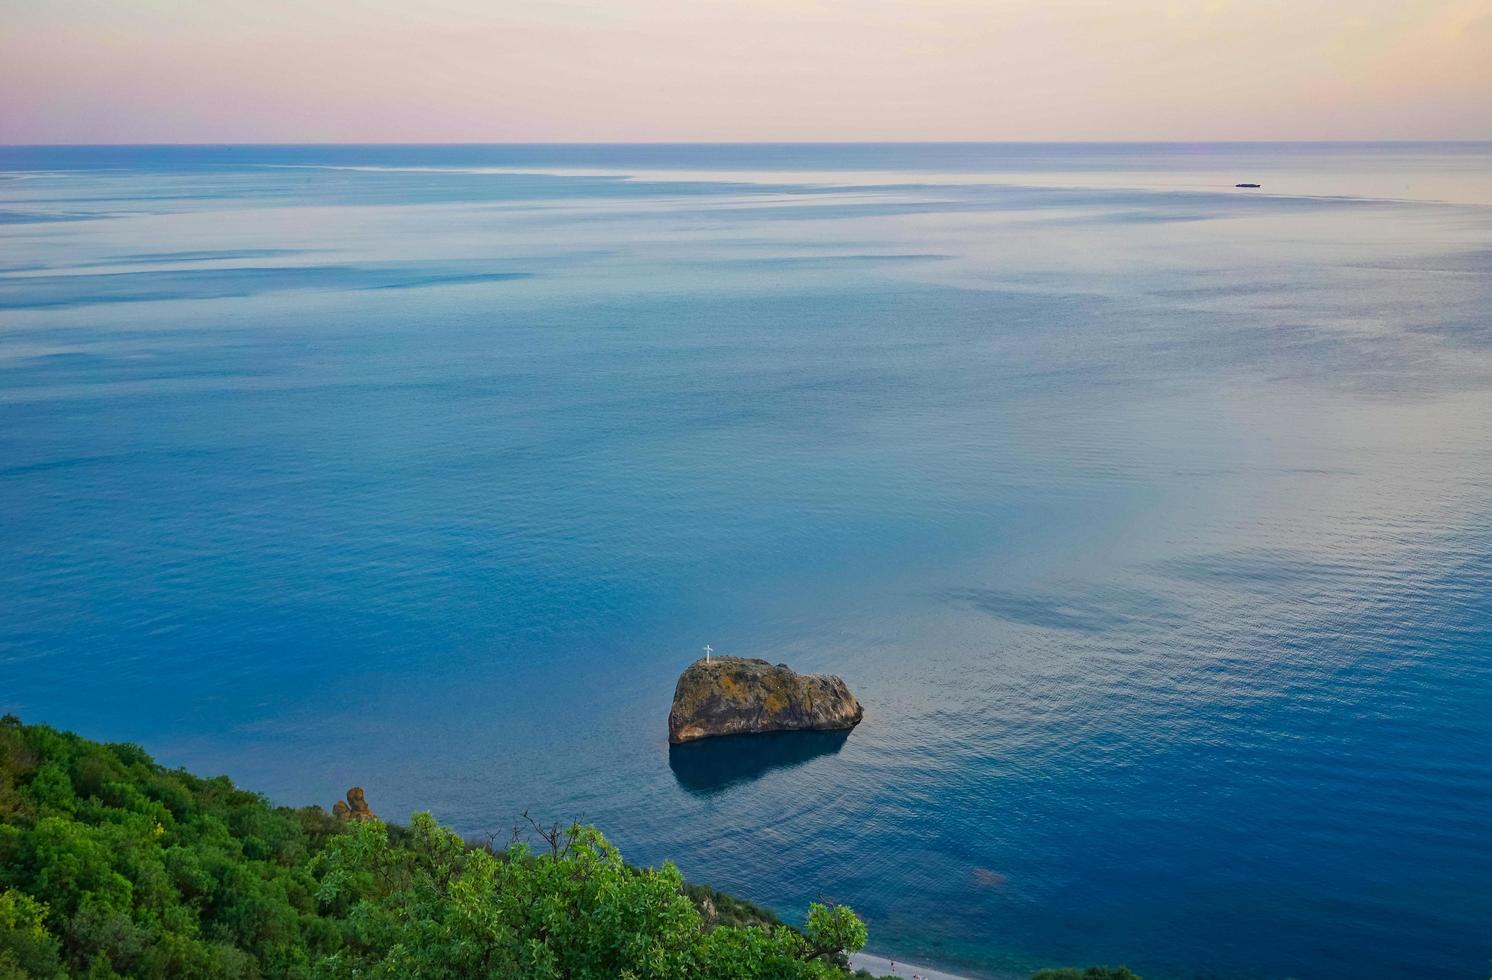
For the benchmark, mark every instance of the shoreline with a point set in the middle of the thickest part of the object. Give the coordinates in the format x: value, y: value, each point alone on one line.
x: 881, y: 966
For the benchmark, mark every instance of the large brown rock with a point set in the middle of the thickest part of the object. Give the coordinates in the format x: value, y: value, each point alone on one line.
x: 356, y: 807
x: 737, y: 696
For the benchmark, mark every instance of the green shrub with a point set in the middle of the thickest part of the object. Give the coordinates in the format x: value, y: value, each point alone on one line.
x: 1089, y: 973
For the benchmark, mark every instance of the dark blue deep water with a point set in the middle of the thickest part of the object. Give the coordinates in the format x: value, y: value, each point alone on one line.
x: 1151, y: 519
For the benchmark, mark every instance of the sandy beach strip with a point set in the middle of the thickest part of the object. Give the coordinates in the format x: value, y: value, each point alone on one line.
x: 881, y: 967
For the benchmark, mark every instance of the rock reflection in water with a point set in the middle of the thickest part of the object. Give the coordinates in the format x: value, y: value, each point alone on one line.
x: 710, y: 765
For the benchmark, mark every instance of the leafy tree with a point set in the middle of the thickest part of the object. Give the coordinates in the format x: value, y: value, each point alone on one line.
x: 26, y: 948
x: 832, y: 930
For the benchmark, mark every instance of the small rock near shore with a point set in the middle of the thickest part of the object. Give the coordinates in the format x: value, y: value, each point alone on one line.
x: 356, y: 807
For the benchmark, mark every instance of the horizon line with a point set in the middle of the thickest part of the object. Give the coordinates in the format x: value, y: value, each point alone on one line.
x: 767, y: 142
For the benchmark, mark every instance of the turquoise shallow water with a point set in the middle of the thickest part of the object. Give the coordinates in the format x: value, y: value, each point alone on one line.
x: 1151, y: 519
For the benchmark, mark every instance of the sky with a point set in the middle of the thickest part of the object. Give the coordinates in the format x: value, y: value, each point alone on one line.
x: 184, y: 71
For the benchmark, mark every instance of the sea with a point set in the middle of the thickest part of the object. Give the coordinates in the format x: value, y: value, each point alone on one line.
x: 1149, y: 516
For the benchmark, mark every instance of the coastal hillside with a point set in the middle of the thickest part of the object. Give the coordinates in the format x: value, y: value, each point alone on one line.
x: 111, y: 865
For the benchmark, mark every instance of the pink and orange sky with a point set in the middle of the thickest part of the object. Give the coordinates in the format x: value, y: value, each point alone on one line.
x: 89, y: 71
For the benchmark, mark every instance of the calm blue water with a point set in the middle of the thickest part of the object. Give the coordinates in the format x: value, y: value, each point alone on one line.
x: 1151, y: 519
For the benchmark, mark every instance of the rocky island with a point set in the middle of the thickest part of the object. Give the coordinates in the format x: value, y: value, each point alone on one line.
x: 741, y: 696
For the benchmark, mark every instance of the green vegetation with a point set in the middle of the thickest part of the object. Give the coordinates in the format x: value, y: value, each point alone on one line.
x: 112, y: 866
x: 719, y: 909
